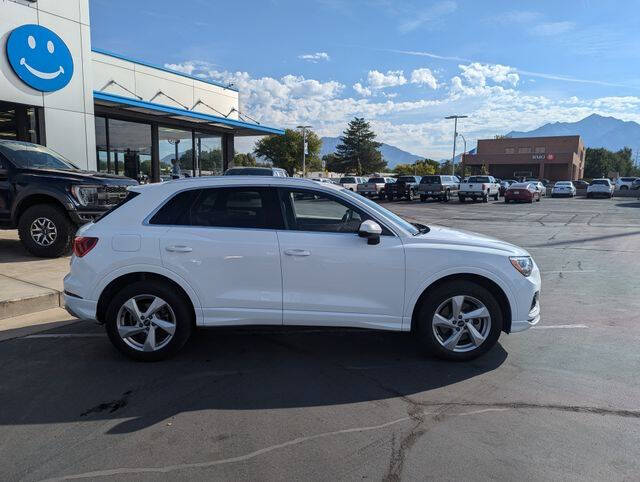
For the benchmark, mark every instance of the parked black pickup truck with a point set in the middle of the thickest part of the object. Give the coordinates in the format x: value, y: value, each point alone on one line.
x: 405, y: 187
x: 47, y: 197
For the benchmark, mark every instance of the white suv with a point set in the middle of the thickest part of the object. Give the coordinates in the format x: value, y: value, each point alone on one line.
x: 600, y: 187
x: 223, y: 251
x: 625, y: 183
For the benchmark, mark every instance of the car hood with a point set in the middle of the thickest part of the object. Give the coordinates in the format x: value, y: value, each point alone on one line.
x: 80, y: 175
x: 458, y: 237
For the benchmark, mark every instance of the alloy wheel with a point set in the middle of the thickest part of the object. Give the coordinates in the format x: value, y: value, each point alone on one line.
x: 461, y: 323
x: 43, y: 231
x: 146, y: 323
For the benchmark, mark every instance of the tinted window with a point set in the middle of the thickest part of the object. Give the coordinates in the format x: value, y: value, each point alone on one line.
x: 222, y: 207
x: 314, y: 211
x: 600, y: 181
x: 479, y: 179
x: 347, y: 180
x: 430, y: 180
x: 32, y: 156
x: 406, y: 179
x: 249, y: 171
x: 377, y: 180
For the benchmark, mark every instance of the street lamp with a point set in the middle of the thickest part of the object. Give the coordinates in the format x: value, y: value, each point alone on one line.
x: 463, y: 152
x: 455, y: 135
x: 304, y: 146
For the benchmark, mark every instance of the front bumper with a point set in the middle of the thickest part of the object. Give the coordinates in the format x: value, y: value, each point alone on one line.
x: 532, y: 319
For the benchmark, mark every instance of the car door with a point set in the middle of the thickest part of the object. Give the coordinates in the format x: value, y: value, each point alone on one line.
x: 330, y: 275
x: 5, y: 192
x: 223, y: 241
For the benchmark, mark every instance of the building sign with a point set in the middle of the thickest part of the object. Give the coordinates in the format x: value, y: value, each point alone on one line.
x: 39, y: 58
x: 542, y: 157
x: 550, y: 157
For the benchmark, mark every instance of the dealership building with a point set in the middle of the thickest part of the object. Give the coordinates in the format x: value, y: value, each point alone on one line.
x: 104, y: 111
x: 555, y: 158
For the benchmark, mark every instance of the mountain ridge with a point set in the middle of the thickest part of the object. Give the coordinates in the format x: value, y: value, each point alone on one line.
x: 392, y: 154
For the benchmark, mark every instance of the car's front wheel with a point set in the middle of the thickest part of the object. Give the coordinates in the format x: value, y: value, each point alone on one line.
x: 148, y: 321
x: 46, y: 231
x: 459, y: 321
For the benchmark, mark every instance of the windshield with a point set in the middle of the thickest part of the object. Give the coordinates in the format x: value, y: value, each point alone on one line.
x: 385, y: 212
x: 33, y: 156
x: 430, y: 180
x: 406, y: 179
x: 347, y: 180
x: 563, y: 183
x: 479, y: 179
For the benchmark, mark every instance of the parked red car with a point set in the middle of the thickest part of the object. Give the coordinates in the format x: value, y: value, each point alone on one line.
x: 522, y: 191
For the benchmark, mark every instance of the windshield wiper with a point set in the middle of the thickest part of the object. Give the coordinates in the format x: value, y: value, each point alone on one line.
x: 422, y: 229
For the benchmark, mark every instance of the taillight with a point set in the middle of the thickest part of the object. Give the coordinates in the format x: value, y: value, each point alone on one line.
x: 83, y: 244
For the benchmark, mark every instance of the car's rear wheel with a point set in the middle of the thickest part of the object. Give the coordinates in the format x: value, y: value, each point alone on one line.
x: 459, y: 321
x: 148, y: 321
x: 390, y: 197
x: 485, y: 198
x: 423, y: 198
x: 447, y: 196
x: 496, y: 196
x: 46, y: 231
x: 462, y: 199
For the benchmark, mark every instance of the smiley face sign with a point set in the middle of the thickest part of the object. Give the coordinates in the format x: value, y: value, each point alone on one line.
x: 40, y: 58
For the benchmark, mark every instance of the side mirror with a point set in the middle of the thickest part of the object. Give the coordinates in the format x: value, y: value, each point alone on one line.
x: 370, y: 230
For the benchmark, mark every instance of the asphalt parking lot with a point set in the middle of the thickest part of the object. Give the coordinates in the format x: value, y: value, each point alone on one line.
x: 561, y: 401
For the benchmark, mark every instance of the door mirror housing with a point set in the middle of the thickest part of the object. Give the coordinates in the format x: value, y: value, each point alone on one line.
x: 371, y: 230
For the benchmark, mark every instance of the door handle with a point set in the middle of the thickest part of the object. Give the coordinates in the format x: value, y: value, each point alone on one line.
x: 179, y: 249
x: 297, y: 252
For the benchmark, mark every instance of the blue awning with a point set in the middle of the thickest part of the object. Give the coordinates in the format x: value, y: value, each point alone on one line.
x: 236, y: 127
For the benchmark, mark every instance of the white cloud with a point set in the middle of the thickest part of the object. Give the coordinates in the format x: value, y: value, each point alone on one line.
x: 316, y: 57
x: 477, y: 74
x: 379, y: 80
x: 552, y: 28
x: 424, y: 76
x: 363, y: 91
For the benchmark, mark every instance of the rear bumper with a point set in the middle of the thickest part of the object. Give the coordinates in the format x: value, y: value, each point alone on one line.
x: 80, y: 308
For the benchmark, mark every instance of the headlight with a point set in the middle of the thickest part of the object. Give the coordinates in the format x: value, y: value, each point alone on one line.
x: 85, y: 195
x: 524, y: 264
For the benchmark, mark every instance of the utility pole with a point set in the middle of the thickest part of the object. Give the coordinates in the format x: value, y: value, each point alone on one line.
x: 455, y: 135
x: 304, y: 149
x: 463, y: 153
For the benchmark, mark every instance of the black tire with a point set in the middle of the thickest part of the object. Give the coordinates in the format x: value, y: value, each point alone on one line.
x: 538, y: 200
x: 410, y: 195
x: 381, y: 197
x: 447, y: 196
x: 506, y: 201
x: 624, y: 187
x: 65, y: 231
x: 461, y: 199
x: 390, y: 197
x: 496, y: 196
x: 183, y: 319
x: 424, y: 324
x: 485, y: 198
x: 423, y: 198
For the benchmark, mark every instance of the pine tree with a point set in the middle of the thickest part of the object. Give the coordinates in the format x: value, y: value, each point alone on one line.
x: 358, y: 150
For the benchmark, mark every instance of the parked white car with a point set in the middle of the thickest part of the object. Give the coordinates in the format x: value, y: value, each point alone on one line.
x: 227, y: 251
x: 625, y: 183
x: 600, y: 187
x: 479, y: 187
x: 351, y: 182
x: 541, y: 188
x: 374, y: 187
x: 563, y: 188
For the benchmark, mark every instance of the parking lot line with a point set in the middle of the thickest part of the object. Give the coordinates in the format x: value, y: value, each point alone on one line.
x: 553, y: 327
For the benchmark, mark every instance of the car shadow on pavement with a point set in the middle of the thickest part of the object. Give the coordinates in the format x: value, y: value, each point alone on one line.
x: 83, y: 379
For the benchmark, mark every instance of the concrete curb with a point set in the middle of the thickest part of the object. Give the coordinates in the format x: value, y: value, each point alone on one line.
x: 31, y: 304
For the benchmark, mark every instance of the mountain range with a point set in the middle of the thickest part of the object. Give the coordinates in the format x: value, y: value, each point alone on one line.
x: 392, y: 154
x: 595, y: 130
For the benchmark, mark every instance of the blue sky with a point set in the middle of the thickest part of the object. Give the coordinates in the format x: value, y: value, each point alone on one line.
x: 403, y: 65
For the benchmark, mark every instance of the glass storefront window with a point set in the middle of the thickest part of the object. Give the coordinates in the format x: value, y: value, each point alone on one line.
x: 102, y: 153
x: 19, y: 122
x: 130, y: 147
x: 209, y: 154
x: 175, y: 144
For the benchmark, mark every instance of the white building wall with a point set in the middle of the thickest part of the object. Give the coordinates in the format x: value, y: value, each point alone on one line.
x: 68, y: 112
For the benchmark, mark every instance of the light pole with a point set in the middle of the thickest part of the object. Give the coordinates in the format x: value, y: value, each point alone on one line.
x: 455, y: 135
x: 304, y: 145
x: 463, y: 153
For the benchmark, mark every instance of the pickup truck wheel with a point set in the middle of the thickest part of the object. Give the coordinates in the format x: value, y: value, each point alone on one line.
x: 148, y: 321
x: 410, y: 195
x: 459, y: 321
x: 447, y: 196
x: 423, y: 198
x: 381, y: 196
x: 485, y: 198
x: 496, y: 196
x: 390, y: 197
x: 46, y: 231
x: 461, y: 199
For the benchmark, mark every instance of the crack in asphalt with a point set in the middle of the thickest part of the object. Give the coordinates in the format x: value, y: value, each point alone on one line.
x: 111, y: 407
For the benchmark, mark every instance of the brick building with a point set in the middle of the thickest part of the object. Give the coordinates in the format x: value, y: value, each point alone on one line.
x: 554, y: 158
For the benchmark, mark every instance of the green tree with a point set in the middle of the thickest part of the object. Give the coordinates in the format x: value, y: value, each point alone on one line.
x: 424, y: 167
x: 358, y: 150
x: 600, y: 162
x: 286, y: 151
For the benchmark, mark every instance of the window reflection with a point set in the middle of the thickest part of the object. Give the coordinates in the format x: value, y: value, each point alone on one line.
x: 209, y: 154
x: 130, y: 146
x: 175, y: 144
